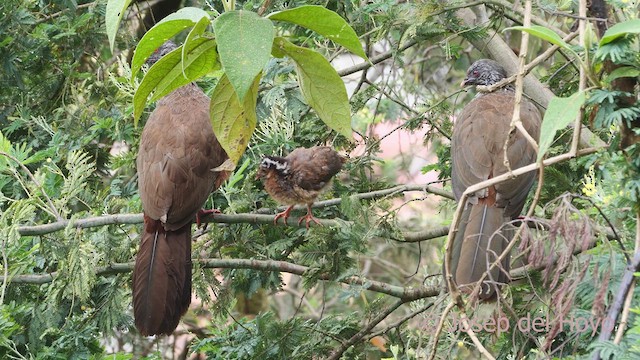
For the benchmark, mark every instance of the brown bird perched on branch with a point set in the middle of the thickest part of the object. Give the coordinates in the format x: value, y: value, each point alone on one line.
x: 477, y: 153
x: 299, y: 177
x: 177, y: 170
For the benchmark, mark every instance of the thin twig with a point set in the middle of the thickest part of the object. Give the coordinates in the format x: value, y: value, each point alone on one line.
x: 624, y: 319
x: 54, y: 211
x: 575, y: 141
x: 439, y: 328
x: 264, y: 7
x: 616, y: 307
x: 401, y: 321
x: 362, y: 333
x: 467, y: 328
x: 376, y: 59
x: 56, y: 14
x: 515, y: 118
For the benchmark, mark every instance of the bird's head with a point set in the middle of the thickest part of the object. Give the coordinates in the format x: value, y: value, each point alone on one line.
x: 272, y: 163
x: 163, y: 50
x: 484, y: 72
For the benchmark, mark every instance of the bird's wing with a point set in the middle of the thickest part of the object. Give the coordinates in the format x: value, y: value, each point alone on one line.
x: 313, y: 168
x: 478, y: 147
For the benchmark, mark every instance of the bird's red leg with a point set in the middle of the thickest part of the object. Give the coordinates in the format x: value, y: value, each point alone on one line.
x: 309, y: 217
x: 284, y: 215
x: 202, y: 213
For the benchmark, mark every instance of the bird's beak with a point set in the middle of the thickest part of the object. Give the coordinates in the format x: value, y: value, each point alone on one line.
x: 464, y: 82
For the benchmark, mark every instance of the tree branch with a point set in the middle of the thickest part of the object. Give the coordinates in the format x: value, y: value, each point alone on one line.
x: 362, y: 333
x: 403, y: 293
x: 259, y: 217
x: 376, y: 59
x: 617, y: 305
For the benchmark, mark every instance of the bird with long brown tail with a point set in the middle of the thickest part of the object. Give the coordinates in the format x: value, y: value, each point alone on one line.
x: 177, y: 165
x: 477, y: 153
x: 299, y: 178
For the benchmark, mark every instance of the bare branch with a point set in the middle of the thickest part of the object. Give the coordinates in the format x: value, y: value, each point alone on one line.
x: 259, y: 217
x: 423, y: 235
x: 404, y: 293
x: 376, y: 59
x: 617, y: 305
x: 402, y: 320
x: 436, y: 335
x: 362, y: 333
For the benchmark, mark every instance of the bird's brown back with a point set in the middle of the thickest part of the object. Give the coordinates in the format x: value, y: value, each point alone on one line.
x: 313, y: 168
x: 178, y: 151
x: 479, y: 136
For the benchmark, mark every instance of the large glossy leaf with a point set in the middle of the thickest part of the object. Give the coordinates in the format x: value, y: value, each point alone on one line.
x: 244, y: 44
x: 233, y: 122
x: 113, y: 15
x: 164, y: 30
x: 326, y: 23
x: 621, y: 29
x: 321, y: 86
x: 167, y: 74
x: 560, y: 113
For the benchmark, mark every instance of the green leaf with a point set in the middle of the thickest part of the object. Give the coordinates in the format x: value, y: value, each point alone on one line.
x: 164, y: 30
x: 112, y: 17
x: 560, y: 113
x: 544, y: 34
x: 321, y: 86
x: 195, y: 32
x: 244, y: 44
x: 326, y: 23
x: 620, y: 29
x: 233, y: 123
x: 167, y: 73
x: 626, y: 71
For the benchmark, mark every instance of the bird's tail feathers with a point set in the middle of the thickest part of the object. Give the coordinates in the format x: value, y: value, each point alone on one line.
x: 161, y: 278
x: 480, y: 240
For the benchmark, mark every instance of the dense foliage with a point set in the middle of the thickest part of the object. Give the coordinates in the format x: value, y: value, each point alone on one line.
x: 67, y: 154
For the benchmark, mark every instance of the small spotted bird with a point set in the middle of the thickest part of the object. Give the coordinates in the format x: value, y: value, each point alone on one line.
x: 299, y: 177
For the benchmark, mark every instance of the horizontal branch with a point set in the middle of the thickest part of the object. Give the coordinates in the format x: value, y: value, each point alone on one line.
x: 371, y: 195
x: 423, y: 235
x: 403, y: 293
x: 260, y: 217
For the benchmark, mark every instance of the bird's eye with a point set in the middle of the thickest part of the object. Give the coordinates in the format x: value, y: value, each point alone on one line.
x: 475, y: 72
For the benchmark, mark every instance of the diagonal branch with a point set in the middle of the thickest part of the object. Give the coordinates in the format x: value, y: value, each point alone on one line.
x: 618, y: 302
x: 362, y: 333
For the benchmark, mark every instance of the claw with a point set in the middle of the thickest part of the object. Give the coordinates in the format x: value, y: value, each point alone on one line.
x: 284, y: 215
x: 202, y: 213
x: 309, y: 218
